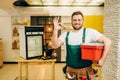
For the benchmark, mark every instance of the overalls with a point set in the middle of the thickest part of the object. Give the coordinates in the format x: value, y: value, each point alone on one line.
x: 73, y: 58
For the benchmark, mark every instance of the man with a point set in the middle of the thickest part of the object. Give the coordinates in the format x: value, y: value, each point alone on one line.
x: 73, y: 39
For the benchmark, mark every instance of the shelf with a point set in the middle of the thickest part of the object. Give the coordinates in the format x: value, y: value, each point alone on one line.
x: 47, y: 22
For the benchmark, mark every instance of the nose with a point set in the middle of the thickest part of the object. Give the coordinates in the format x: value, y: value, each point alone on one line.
x: 77, y: 21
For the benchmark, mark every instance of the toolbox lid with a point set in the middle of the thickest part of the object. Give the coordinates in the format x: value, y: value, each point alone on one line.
x: 93, y: 44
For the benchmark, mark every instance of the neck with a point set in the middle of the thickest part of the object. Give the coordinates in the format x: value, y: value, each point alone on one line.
x: 76, y: 30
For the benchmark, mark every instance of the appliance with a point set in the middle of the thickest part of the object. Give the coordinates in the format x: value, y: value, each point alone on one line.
x: 31, y: 41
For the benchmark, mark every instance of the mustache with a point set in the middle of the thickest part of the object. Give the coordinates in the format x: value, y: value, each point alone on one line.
x: 76, y: 24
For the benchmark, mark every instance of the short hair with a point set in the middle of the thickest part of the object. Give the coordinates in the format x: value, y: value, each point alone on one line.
x: 78, y: 13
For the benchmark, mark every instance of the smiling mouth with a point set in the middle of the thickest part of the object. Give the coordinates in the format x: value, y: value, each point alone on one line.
x: 77, y: 25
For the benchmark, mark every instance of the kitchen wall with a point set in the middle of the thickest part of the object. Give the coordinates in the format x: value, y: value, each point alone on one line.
x: 10, y: 55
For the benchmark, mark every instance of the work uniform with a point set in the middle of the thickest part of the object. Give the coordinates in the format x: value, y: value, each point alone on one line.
x: 73, y: 41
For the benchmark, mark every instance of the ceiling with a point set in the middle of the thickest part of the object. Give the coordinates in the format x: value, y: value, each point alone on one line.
x: 62, y: 3
x: 6, y: 4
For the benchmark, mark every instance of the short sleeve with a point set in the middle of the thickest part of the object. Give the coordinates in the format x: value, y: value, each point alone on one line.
x: 95, y: 34
x: 62, y: 37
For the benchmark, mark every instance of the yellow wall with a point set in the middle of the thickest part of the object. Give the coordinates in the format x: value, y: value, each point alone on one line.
x: 94, y: 21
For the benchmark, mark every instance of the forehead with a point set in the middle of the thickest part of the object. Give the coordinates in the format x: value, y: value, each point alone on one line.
x: 77, y: 17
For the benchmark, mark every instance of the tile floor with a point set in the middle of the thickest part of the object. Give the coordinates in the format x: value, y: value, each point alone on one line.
x: 36, y: 72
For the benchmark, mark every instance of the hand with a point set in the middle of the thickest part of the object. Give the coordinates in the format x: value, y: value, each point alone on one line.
x: 57, y: 25
x: 99, y: 63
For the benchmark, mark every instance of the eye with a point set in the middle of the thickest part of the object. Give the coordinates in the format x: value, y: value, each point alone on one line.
x: 79, y: 19
x: 74, y: 20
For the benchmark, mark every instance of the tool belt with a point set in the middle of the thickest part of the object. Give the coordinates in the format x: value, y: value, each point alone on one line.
x: 77, y: 74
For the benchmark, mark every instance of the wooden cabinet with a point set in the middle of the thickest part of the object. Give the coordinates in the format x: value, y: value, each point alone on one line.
x: 47, y: 22
x: 1, y: 58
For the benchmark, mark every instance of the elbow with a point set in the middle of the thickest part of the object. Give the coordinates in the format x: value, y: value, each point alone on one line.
x: 53, y: 46
x: 110, y: 43
x: 56, y: 45
x: 106, y: 41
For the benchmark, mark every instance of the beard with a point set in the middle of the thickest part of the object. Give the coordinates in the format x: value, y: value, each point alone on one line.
x: 77, y: 26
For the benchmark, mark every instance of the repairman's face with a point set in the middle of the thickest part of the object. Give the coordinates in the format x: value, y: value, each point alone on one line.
x: 77, y: 22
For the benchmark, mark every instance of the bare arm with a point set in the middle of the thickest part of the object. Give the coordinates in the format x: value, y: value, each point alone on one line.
x: 107, y: 45
x: 55, y: 41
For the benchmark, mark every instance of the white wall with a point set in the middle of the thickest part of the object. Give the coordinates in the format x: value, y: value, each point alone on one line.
x: 6, y: 26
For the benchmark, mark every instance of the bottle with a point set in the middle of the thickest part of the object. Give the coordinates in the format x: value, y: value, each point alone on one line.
x: 44, y: 54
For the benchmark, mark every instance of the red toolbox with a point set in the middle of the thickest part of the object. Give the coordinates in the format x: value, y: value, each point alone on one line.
x: 91, y: 51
